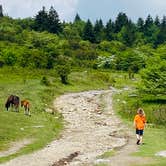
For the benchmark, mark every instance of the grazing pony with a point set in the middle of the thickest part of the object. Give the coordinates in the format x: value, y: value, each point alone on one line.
x: 26, y: 105
x: 13, y: 101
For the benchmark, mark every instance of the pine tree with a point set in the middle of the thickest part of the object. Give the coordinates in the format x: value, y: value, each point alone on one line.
x: 1, y: 11
x: 150, y: 30
x: 140, y: 25
x: 157, y: 21
x: 109, y: 30
x: 161, y: 37
x: 163, y: 23
x: 41, y: 20
x: 88, y: 32
x: 147, y: 26
x: 99, y: 31
x: 120, y: 21
x: 128, y: 34
x: 54, y: 25
x: 48, y: 21
x: 77, y: 18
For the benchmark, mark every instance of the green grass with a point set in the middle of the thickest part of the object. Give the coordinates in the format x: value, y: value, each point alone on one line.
x: 16, y: 126
x: 126, y: 103
x: 19, y: 126
x: 101, y: 164
x: 155, y: 141
x: 27, y: 85
x: 129, y: 99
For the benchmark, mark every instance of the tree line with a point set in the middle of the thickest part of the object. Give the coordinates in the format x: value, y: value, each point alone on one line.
x: 46, y: 42
x: 150, y: 30
x: 123, y: 29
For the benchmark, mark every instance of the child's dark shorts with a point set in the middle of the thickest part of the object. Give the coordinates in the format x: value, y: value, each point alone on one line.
x: 139, y: 132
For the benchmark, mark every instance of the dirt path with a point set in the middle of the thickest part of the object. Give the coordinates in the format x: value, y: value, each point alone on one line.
x: 15, y: 146
x: 91, y: 129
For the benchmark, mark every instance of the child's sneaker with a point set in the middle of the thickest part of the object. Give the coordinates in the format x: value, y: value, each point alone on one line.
x: 138, y: 142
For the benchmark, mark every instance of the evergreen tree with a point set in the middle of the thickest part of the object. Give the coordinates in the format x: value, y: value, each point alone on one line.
x: 150, y: 30
x: 157, y: 21
x: 77, y: 18
x: 148, y: 21
x: 148, y: 24
x: 161, y: 37
x: 88, y: 32
x: 128, y: 34
x: 41, y: 20
x: 47, y: 21
x: 78, y: 24
x: 99, y: 31
x: 54, y: 25
x: 1, y: 11
x: 120, y: 21
x: 109, y: 30
x: 140, y: 25
x: 163, y: 23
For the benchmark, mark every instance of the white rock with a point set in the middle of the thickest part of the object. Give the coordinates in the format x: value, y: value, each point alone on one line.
x: 161, y: 153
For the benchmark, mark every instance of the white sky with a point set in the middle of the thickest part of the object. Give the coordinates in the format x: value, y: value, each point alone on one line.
x: 92, y: 9
x: 29, y: 8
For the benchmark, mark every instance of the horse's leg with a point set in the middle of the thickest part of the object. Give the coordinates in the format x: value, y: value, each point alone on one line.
x: 29, y: 112
x: 7, y: 107
x: 16, y: 108
x: 25, y: 110
x: 12, y: 105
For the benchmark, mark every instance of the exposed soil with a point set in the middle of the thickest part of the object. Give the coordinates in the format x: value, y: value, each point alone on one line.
x: 92, y: 128
x: 15, y: 146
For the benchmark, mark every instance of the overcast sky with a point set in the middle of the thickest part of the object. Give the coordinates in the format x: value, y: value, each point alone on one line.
x: 92, y: 9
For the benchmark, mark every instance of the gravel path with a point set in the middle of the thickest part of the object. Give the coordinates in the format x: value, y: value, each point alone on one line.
x: 91, y: 129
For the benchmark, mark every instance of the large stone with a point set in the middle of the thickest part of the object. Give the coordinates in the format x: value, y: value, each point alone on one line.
x: 161, y: 153
x: 49, y: 110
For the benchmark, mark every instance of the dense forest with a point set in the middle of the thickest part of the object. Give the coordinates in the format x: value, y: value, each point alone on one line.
x: 45, y: 42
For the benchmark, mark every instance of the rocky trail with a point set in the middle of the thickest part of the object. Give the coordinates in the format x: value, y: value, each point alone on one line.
x: 92, y: 128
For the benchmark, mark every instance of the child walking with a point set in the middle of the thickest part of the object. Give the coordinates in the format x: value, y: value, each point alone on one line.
x: 139, y: 124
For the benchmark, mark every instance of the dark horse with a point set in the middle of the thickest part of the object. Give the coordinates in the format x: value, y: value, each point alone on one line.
x: 12, y: 101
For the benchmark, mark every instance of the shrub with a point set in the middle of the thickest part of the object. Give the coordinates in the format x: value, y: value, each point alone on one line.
x: 45, y: 81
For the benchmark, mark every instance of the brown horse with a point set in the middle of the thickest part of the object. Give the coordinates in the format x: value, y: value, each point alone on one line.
x: 26, y: 105
x: 13, y: 101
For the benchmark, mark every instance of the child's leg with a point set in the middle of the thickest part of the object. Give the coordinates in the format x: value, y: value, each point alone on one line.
x: 140, y: 139
x: 141, y: 136
x: 137, y: 136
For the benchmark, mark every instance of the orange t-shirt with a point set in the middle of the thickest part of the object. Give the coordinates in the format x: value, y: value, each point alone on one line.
x: 140, y: 122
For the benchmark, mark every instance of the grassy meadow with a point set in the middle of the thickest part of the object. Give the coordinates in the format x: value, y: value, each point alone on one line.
x: 41, y: 127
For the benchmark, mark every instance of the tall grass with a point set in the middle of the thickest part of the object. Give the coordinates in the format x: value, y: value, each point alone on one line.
x: 129, y: 99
